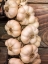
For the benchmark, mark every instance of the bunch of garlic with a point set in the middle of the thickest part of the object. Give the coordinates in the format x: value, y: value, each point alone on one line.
x: 23, y: 27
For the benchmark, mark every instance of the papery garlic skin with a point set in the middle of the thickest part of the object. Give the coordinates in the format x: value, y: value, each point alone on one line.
x: 13, y: 28
x: 15, y: 61
x: 13, y: 46
x: 11, y: 8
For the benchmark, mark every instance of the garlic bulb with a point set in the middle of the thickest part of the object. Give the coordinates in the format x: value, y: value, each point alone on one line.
x: 10, y: 8
x: 26, y: 15
x: 13, y: 46
x: 13, y: 28
x: 27, y: 33
x: 28, y: 53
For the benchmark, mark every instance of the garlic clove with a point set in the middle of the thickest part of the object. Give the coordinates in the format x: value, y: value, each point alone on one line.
x: 31, y: 19
x: 39, y: 38
x: 25, y: 40
x: 24, y: 22
x: 10, y: 53
x: 26, y: 49
x: 6, y: 28
x: 37, y: 44
x: 35, y: 49
x: 31, y: 10
x: 37, y: 61
x: 15, y: 61
x: 33, y: 40
x: 20, y: 17
x: 12, y: 12
x: 25, y: 59
x: 21, y: 10
x: 35, y: 31
x: 33, y: 58
x: 26, y: 8
x: 26, y: 31
x: 16, y: 51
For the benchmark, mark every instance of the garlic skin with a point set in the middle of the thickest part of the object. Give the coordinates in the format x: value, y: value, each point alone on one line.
x: 15, y: 61
x: 11, y: 8
x: 13, y: 46
x: 26, y: 15
x: 13, y: 28
x: 27, y: 33
x: 28, y: 53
